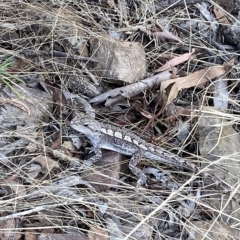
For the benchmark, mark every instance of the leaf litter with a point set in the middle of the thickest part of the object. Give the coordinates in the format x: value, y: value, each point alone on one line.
x: 70, y: 57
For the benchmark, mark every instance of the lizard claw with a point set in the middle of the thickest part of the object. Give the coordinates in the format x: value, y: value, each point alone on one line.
x: 85, y: 165
x: 142, y: 180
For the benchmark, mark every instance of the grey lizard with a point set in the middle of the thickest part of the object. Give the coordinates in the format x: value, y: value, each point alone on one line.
x: 125, y: 142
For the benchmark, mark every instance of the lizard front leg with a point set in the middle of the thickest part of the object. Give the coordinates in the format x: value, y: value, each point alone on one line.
x: 136, y: 158
x: 89, y: 162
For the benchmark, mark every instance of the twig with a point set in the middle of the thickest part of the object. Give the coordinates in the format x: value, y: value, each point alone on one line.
x: 36, y: 209
x: 17, y: 103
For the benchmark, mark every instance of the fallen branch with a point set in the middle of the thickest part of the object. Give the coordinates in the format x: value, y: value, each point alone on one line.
x: 131, y: 90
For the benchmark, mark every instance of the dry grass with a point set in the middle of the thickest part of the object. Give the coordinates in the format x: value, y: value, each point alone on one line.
x: 123, y: 210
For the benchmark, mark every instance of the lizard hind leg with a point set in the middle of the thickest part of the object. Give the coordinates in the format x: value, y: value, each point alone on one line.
x: 142, y: 178
x: 89, y: 162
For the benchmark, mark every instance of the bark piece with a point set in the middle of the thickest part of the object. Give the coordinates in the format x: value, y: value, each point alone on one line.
x: 219, y: 144
x: 124, y: 61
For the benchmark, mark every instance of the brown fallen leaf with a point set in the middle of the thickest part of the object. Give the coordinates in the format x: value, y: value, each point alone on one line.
x: 18, y: 188
x: 16, y: 67
x: 56, y: 143
x: 168, y: 95
x: 48, y: 230
x: 192, y: 80
x: 221, y: 18
x: 172, y: 113
x: 175, y: 61
x: 46, y: 162
x: 146, y: 114
x: 95, y: 233
x: 31, y: 234
x: 9, y: 229
x: 138, y: 106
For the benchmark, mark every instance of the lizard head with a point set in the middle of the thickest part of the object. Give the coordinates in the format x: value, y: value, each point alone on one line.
x: 86, y: 125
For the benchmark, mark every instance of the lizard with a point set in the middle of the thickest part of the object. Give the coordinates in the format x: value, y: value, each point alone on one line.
x: 106, y: 136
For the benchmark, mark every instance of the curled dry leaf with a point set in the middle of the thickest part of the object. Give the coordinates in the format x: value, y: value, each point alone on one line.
x: 139, y: 107
x: 168, y: 93
x: 175, y: 61
x: 192, y: 80
x: 46, y: 162
x: 146, y: 114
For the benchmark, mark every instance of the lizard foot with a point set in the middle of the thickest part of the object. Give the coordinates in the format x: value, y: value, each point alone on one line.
x: 142, y: 180
x: 86, y: 164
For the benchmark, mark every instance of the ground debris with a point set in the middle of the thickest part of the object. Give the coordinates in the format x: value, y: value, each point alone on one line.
x: 166, y: 72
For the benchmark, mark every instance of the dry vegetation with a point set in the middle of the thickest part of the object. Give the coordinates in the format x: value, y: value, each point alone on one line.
x: 140, y: 65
